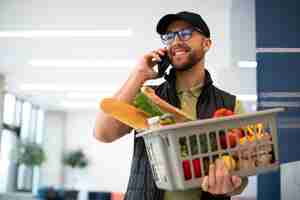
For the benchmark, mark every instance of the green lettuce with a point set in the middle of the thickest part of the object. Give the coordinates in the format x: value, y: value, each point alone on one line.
x: 142, y: 102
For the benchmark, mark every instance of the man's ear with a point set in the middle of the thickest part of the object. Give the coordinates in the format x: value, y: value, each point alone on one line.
x: 207, y: 44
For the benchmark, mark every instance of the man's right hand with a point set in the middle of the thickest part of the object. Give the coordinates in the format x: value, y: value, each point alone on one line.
x: 107, y: 129
x: 146, y: 63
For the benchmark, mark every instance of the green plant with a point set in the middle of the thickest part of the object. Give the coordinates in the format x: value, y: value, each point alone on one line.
x: 31, y: 154
x: 75, y: 159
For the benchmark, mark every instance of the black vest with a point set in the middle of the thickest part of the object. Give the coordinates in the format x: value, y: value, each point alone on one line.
x: 141, y: 185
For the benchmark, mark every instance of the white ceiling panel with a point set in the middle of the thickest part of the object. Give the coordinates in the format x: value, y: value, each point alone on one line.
x: 231, y: 23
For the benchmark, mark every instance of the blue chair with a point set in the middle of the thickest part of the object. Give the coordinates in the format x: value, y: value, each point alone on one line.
x: 70, y: 194
x: 47, y: 193
x: 93, y: 195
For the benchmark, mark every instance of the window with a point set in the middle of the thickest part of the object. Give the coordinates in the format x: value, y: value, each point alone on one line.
x: 18, y: 113
x: 9, y: 109
x: 32, y: 123
x: 22, y: 121
x: 40, y: 126
x: 9, y: 142
x: 9, y: 145
x: 25, y: 122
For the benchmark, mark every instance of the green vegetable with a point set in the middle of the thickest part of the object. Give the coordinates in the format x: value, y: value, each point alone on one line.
x: 142, y: 102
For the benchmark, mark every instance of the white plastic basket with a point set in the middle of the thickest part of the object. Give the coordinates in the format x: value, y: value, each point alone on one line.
x: 180, y: 154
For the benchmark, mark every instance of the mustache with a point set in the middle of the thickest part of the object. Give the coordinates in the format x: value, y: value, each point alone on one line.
x: 179, y: 46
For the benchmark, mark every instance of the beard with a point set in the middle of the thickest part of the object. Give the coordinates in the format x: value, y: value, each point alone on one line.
x: 191, y: 60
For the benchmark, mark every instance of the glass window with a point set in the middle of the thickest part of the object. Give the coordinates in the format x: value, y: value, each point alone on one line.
x: 32, y: 123
x: 8, y: 157
x: 8, y: 145
x: 18, y: 113
x: 9, y: 109
x: 29, y: 119
x: 25, y: 124
x: 40, y: 126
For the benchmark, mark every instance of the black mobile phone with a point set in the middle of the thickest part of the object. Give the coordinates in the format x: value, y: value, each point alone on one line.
x: 163, y: 65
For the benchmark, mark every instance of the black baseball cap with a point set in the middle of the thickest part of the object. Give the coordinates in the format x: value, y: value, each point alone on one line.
x: 193, y: 18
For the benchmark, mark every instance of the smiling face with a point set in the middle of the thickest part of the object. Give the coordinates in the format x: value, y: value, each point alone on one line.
x: 185, y: 54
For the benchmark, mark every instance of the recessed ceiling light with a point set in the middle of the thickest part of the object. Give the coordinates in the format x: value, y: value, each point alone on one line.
x: 82, y: 63
x: 247, y: 97
x: 65, y: 33
x: 247, y: 64
x: 64, y: 88
x: 88, y: 95
x: 81, y: 104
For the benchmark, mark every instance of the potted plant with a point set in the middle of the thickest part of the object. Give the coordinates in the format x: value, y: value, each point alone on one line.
x: 74, y: 159
x: 29, y: 156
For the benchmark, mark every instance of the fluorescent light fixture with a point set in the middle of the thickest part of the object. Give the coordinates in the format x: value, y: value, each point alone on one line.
x: 89, y: 95
x: 64, y: 88
x: 65, y: 33
x: 82, y: 63
x: 247, y: 97
x: 247, y: 64
x: 81, y: 104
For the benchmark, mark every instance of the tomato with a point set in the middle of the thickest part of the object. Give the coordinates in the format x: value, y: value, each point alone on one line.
x: 234, y: 136
x: 222, y: 112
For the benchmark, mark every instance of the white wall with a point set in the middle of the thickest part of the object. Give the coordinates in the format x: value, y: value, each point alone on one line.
x: 290, y: 180
x: 233, y: 40
x: 109, y: 163
x: 51, y: 173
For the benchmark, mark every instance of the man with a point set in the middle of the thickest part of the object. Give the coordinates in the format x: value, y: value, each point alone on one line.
x: 187, y: 86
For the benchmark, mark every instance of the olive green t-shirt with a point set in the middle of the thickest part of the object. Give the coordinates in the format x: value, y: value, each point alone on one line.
x: 188, y: 100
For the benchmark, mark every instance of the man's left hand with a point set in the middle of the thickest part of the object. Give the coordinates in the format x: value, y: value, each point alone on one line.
x: 219, y: 181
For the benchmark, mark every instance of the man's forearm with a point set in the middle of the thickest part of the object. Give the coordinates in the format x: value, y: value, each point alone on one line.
x: 108, y: 129
x: 130, y: 88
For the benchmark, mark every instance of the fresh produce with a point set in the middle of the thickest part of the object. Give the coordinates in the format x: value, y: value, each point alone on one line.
x: 145, y: 105
x: 264, y: 160
x: 255, y: 154
x: 142, y: 102
x: 203, y: 143
x: 125, y: 113
x: 246, y: 164
x: 229, y: 162
x: 184, y: 151
x: 222, y: 112
x: 167, y: 119
x: 241, y: 135
x: 164, y: 106
x: 258, y: 136
x: 233, y: 134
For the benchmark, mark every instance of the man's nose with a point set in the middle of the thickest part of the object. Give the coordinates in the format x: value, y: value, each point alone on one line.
x: 177, y: 38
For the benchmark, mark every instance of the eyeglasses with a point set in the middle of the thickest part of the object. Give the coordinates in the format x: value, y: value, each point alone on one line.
x: 184, y: 35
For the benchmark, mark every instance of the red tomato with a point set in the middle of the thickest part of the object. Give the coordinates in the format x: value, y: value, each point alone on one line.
x: 222, y: 112
x: 234, y: 136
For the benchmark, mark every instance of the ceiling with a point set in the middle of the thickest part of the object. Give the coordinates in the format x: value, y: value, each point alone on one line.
x: 81, y: 84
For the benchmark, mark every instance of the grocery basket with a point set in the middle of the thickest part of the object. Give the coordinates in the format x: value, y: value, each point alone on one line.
x: 180, y: 154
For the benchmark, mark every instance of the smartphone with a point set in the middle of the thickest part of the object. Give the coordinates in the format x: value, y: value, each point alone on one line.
x: 163, y: 65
